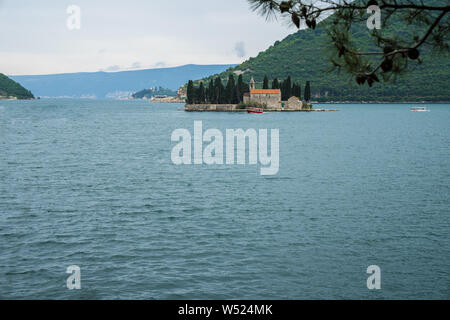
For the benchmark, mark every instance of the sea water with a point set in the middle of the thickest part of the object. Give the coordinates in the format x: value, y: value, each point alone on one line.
x: 92, y: 184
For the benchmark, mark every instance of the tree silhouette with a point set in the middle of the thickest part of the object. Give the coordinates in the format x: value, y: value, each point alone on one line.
x: 307, y: 92
x: 266, y: 83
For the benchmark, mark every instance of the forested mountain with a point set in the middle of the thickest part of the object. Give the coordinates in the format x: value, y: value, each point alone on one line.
x: 304, y: 56
x: 11, y: 89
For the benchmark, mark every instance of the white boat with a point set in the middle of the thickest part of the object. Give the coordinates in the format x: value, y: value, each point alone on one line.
x: 419, y: 109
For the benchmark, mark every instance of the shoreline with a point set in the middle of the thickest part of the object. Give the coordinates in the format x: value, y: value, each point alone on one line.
x: 237, y: 108
x: 183, y: 102
x: 382, y: 102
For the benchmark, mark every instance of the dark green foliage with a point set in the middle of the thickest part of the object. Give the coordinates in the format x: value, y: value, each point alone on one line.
x: 230, y: 90
x: 275, y: 84
x: 148, y: 93
x: 190, y: 92
x: 266, y: 83
x: 10, y: 88
x: 201, y: 96
x: 286, y: 89
x: 246, y: 87
x: 307, y: 92
x: 210, y: 91
x: 219, y: 91
x: 297, y: 90
x: 216, y: 93
x: 240, y: 89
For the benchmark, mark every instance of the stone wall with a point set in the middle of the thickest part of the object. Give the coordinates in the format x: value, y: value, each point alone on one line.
x: 293, y: 103
x: 289, y: 106
x: 272, y: 101
x: 213, y: 107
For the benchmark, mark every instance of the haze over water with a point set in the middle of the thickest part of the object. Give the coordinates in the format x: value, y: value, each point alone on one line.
x: 91, y: 183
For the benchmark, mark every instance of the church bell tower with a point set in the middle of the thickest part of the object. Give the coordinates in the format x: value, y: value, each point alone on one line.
x: 252, y: 84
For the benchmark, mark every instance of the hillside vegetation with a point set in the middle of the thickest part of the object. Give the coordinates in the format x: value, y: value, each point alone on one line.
x: 152, y: 92
x: 304, y: 56
x: 11, y: 89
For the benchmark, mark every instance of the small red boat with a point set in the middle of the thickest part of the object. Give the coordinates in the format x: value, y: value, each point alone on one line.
x: 255, y: 110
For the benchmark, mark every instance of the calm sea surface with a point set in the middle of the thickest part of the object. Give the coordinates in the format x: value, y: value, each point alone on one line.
x: 91, y: 183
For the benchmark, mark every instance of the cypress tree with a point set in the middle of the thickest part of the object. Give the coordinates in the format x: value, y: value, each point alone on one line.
x: 211, y: 91
x: 307, y: 91
x: 218, y: 91
x: 266, y: 83
x: 283, y: 96
x: 201, y: 93
x: 275, y: 84
x: 297, y: 90
x: 190, y: 92
x: 222, y: 99
x: 195, y: 95
x: 240, y: 88
x: 288, y: 88
x: 235, y: 94
x: 230, y: 90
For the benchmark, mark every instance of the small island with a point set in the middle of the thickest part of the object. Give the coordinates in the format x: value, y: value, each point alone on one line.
x: 158, y: 94
x: 240, y: 97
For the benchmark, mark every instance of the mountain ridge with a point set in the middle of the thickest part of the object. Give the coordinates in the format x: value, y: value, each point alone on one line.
x: 114, y: 84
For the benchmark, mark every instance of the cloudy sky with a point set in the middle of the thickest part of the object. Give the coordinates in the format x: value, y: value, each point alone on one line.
x: 128, y: 35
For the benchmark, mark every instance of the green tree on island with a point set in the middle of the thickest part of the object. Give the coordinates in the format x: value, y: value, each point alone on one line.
x: 239, y: 89
x: 201, y: 93
x: 307, y: 92
x: 297, y: 90
x: 266, y: 83
x: 275, y: 84
x: 190, y: 92
x: 210, y: 91
x: 286, y: 89
x: 230, y: 90
x: 219, y: 91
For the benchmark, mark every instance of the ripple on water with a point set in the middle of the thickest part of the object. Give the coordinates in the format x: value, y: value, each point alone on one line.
x: 93, y: 185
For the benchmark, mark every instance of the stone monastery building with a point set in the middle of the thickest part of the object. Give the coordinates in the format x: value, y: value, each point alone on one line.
x: 271, y: 98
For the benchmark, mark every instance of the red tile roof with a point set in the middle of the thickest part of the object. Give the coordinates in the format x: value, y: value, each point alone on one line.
x: 266, y: 91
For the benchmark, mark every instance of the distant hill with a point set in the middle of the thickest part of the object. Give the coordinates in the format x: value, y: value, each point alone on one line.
x: 152, y: 92
x: 303, y: 55
x: 11, y: 89
x: 115, y: 84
